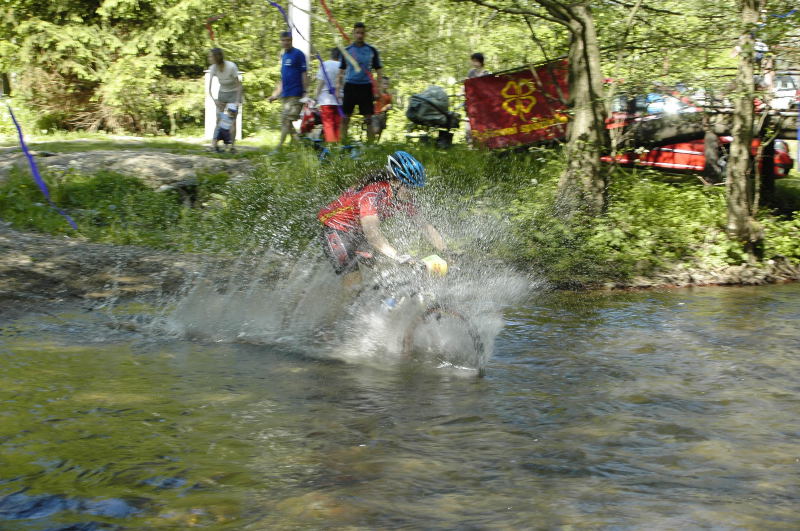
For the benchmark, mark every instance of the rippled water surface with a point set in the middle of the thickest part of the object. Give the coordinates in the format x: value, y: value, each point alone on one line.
x: 649, y: 410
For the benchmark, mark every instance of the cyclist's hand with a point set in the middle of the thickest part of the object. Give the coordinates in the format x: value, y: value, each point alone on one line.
x: 407, y: 259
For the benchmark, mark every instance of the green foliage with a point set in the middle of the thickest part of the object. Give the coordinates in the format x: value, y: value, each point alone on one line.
x: 134, y: 64
x: 649, y: 226
x: 787, y: 195
x: 782, y: 238
x: 129, y: 64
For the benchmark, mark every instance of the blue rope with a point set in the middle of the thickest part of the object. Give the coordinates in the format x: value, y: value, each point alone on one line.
x: 35, y: 170
x: 785, y: 15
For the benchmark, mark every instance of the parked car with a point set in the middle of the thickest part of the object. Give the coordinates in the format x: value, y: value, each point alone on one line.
x: 785, y: 94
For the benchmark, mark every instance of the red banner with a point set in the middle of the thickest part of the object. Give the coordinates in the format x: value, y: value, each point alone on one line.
x: 519, y: 108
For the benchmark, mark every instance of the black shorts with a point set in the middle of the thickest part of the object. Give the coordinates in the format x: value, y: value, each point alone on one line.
x: 223, y: 134
x: 345, y: 250
x: 360, y: 95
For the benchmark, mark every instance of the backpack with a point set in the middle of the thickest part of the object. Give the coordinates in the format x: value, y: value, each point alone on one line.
x: 309, y: 119
x: 429, y: 108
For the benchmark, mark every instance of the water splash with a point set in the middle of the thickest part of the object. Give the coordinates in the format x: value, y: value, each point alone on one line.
x: 301, y: 304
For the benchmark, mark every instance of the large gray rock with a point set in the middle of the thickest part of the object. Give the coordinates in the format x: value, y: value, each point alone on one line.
x: 155, y: 168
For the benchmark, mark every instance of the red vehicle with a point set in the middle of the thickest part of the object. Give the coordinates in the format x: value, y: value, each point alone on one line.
x: 690, y: 156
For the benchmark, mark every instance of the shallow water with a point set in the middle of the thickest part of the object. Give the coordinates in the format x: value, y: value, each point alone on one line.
x: 651, y: 410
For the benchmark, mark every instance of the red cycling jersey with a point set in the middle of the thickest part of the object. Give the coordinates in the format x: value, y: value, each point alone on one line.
x: 376, y: 198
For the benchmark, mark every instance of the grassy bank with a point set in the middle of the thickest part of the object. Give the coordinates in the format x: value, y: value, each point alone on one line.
x: 492, y: 205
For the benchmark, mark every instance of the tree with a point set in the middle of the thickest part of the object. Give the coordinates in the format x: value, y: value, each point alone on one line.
x: 739, y: 185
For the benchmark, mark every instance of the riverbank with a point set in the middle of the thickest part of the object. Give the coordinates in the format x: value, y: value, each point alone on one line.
x: 144, y: 230
x: 38, y: 269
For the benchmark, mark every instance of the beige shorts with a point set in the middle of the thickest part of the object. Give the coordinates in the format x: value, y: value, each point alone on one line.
x: 291, y: 108
x: 228, y: 96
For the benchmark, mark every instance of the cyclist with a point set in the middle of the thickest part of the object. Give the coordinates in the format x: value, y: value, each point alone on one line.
x: 352, y: 223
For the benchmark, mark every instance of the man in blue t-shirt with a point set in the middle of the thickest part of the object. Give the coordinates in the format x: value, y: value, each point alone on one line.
x: 360, y: 87
x: 292, y: 87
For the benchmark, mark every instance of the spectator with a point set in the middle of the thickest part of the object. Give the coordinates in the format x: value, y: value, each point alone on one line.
x: 329, y: 103
x: 227, y: 73
x: 292, y: 87
x: 359, y: 86
x: 382, y: 106
x: 477, y: 69
x: 225, y: 121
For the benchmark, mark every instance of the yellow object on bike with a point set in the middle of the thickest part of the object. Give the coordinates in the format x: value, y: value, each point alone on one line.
x: 435, y: 264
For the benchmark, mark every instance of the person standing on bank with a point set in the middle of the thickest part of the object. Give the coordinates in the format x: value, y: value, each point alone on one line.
x: 329, y: 103
x: 478, y: 69
x: 360, y: 87
x: 227, y: 73
x: 292, y: 87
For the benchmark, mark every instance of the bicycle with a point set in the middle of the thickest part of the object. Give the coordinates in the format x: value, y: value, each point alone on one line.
x: 433, y: 329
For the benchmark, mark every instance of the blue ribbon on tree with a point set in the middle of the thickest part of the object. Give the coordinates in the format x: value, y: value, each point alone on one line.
x: 289, y: 25
x: 35, y: 170
x: 785, y: 15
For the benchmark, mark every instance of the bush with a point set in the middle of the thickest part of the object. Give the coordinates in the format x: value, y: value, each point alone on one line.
x: 649, y: 226
x: 782, y: 238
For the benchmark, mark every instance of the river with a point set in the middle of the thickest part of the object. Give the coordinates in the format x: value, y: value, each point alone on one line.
x: 671, y: 409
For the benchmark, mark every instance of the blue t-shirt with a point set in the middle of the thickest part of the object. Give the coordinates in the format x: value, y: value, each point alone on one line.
x: 367, y: 58
x: 293, y: 64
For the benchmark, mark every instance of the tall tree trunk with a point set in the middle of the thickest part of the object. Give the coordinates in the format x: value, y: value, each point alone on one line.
x: 739, y: 185
x: 582, y: 185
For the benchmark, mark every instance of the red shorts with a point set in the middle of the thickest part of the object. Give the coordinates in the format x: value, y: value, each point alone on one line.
x: 345, y: 250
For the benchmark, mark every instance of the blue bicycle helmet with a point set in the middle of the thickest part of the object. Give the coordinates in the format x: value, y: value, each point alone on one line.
x: 406, y: 168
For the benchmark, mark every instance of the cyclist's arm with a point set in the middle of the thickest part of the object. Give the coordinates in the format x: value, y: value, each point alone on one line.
x: 434, y: 237
x: 371, y: 226
x: 429, y: 231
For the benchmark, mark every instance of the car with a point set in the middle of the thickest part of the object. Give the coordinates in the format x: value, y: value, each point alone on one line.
x: 785, y: 93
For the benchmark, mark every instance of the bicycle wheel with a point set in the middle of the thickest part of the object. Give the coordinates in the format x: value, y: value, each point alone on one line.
x: 444, y: 336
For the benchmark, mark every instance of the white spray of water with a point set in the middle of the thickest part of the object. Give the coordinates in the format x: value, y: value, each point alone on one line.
x: 301, y: 304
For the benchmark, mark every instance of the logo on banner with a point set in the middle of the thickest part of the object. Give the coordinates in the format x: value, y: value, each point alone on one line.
x: 518, y: 98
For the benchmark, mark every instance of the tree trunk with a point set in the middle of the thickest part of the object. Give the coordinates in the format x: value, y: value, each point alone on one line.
x: 5, y: 84
x: 739, y: 185
x: 582, y: 185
